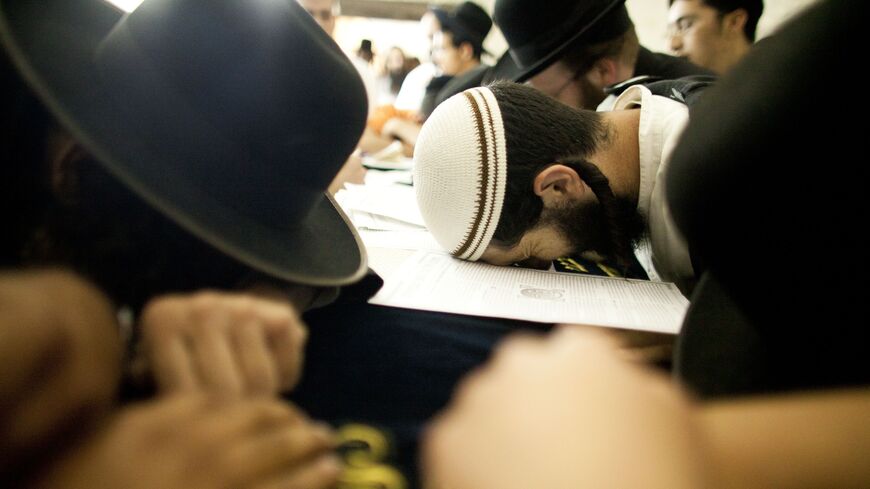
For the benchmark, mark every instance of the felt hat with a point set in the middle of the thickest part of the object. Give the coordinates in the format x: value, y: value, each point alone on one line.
x: 467, y: 20
x: 231, y: 118
x: 539, y: 33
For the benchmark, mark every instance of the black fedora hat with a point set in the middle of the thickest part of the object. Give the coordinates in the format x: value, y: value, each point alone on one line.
x: 467, y: 20
x: 229, y: 117
x: 538, y: 33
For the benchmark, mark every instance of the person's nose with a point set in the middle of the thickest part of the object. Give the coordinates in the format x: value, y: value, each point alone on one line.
x: 676, y: 43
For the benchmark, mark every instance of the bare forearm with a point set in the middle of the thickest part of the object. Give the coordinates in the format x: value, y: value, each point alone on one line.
x: 796, y: 441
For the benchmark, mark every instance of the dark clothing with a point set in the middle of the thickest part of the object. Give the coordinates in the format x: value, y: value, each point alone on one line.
x: 391, y: 369
x: 782, y: 303
x: 443, y: 87
x: 470, y: 79
x: 432, y: 90
x: 665, y: 66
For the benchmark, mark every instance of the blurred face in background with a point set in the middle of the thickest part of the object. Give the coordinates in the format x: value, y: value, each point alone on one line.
x: 429, y: 25
x: 705, y: 36
x: 395, y: 60
x: 450, y: 59
x: 323, y: 11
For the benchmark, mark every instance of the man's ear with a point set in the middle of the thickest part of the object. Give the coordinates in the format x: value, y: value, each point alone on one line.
x: 734, y: 22
x: 466, y: 52
x: 559, y: 184
x: 64, y: 154
x: 604, y: 72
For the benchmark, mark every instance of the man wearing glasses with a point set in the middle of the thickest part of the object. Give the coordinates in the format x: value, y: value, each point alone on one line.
x: 573, y: 50
x: 714, y: 34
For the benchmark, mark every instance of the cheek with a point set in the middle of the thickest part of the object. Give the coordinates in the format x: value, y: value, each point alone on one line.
x: 572, y: 96
x: 450, y: 62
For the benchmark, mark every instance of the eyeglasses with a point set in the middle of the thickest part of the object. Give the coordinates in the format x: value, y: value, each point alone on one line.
x: 558, y: 92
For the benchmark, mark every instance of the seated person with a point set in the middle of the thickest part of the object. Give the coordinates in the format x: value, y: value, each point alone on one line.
x: 142, y: 197
x: 456, y: 50
x: 715, y: 34
x: 505, y: 174
x: 138, y: 211
x: 573, y: 51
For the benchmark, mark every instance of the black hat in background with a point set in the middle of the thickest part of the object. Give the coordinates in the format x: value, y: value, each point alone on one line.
x: 467, y: 20
x: 775, y: 212
x: 539, y: 33
x: 231, y: 118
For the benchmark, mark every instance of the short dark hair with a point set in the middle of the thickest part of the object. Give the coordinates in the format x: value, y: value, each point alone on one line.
x: 457, y: 39
x: 753, y: 9
x: 540, y: 132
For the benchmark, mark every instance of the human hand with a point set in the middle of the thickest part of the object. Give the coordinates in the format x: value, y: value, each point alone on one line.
x: 404, y: 130
x: 59, y: 364
x: 227, y: 343
x: 563, y: 411
x: 192, y: 442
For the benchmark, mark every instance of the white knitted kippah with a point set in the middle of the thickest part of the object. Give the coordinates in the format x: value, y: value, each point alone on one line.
x: 460, y: 170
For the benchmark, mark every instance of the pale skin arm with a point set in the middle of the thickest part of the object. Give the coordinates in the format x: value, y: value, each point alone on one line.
x: 60, y: 362
x: 569, y: 410
x: 799, y: 441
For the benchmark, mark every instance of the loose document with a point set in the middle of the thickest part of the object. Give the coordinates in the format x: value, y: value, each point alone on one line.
x: 439, y: 282
x: 418, y: 274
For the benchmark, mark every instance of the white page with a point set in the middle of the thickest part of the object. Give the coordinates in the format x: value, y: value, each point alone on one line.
x: 394, y: 201
x: 438, y: 282
x: 400, y: 240
x: 386, y: 261
x: 364, y: 220
x: 376, y: 178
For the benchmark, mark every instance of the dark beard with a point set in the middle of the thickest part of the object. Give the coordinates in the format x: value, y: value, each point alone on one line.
x: 612, y: 234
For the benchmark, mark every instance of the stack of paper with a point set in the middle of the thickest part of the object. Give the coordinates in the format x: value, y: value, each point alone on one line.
x: 386, y: 216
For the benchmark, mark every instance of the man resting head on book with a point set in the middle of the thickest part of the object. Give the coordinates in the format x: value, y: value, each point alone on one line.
x: 505, y: 174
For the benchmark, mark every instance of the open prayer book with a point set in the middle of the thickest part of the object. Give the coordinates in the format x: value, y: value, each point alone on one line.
x: 419, y: 275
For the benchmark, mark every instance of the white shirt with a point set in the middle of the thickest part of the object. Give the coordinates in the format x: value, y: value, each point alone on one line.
x: 367, y: 73
x: 410, y: 96
x: 662, y: 121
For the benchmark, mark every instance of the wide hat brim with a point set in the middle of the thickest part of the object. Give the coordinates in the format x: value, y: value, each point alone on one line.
x: 53, y: 45
x: 520, y: 73
x: 504, y: 69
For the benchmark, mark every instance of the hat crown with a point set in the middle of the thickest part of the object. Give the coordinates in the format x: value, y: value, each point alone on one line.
x: 229, y: 117
x: 467, y: 17
x: 535, y: 30
x: 235, y: 66
x: 474, y: 18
